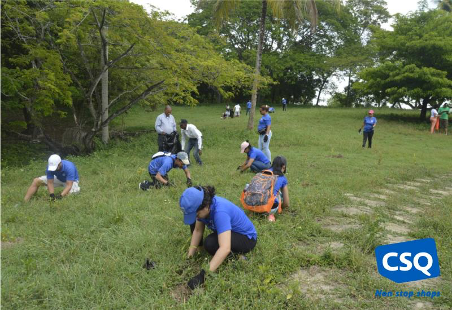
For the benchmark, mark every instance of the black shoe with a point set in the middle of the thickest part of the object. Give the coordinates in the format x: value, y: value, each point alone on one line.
x: 145, y: 185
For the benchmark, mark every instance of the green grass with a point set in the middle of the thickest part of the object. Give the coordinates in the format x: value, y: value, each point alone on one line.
x: 87, y: 251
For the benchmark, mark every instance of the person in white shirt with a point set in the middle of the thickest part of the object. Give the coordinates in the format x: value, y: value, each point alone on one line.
x: 165, y: 125
x: 194, y: 140
x: 433, y: 118
x: 237, y: 110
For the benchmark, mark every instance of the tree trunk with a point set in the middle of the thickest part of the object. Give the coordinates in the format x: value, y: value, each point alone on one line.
x: 425, y: 102
x: 320, y: 91
x: 348, y: 87
x: 258, y: 64
x: 104, y: 51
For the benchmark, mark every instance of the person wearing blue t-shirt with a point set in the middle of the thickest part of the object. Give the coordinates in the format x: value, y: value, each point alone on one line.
x: 264, y: 131
x: 159, y: 166
x: 59, y: 173
x: 280, y: 190
x: 248, y: 107
x: 369, y: 124
x: 284, y: 104
x: 255, y: 159
x: 233, y: 232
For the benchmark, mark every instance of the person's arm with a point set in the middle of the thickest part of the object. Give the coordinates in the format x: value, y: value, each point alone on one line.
x: 224, y: 240
x: 183, y: 134
x: 187, y: 173
x: 200, y: 145
x: 285, y: 193
x: 67, y: 189
x: 174, y: 123
x: 50, y: 186
x: 158, y: 125
x: 196, y: 238
x: 159, y: 177
x: 268, y: 129
x: 247, y: 164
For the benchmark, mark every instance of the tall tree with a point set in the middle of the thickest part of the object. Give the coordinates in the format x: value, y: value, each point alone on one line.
x: 293, y: 10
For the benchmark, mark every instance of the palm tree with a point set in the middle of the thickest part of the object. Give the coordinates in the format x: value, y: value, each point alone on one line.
x: 445, y: 5
x: 294, y: 11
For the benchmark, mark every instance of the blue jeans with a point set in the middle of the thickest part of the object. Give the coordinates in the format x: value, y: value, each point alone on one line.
x: 258, y: 166
x: 265, y: 146
x: 193, y: 143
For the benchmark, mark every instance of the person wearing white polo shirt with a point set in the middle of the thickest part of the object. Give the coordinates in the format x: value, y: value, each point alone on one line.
x: 59, y: 173
x: 237, y: 109
x: 194, y: 140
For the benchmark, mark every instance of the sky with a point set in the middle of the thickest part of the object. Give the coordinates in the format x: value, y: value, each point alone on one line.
x: 181, y: 8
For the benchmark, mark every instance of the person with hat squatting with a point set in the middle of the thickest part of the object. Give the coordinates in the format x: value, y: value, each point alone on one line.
x: 194, y: 140
x: 159, y: 166
x: 255, y: 159
x: 233, y: 232
x: 369, y: 124
x: 59, y: 173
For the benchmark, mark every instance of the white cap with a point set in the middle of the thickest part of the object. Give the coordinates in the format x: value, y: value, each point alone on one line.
x: 183, y: 157
x: 54, y: 161
x: 243, y: 146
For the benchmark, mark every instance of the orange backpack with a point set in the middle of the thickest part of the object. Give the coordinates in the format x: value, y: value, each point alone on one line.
x: 258, y: 197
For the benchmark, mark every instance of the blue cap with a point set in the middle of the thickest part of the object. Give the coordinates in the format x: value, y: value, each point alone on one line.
x: 189, y: 203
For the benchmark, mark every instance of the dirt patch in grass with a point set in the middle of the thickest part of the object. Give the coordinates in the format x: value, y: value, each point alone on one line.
x: 389, y: 239
x: 181, y: 293
x: 352, y: 210
x: 337, y: 156
x: 379, y: 196
x: 406, y: 187
x: 411, y: 210
x: 401, y: 216
x: 424, y: 180
x: 387, y: 191
x: 318, y: 282
x: 11, y: 243
x: 396, y: 228
x: 370, y: 203
x: 415, y: 184
x: 441, y: 192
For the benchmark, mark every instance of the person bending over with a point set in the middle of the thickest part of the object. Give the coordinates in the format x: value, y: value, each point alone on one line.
x: 232, y: 230
x: 159, y: 166
x: 280, y: 190
x: 255, y: 159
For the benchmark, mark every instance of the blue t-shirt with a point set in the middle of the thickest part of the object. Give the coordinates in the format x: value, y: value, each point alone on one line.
x: 369, y: 123
x: 265, y: 121
x: 163, y: 165
x: 284, y: 101
x: 224, y: 216
x: 258, y: 155
x: 68, y: 172
x: 248, y: 104
x: 281, y: 182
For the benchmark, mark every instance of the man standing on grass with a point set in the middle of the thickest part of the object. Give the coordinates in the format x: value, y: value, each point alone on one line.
x: 248, y: 107
x: 284, y: 104
x: 194, y: 136
x: 237, y: 110
x: 164, y: 125
x: 66, y: 176
x: 443, y: 113
x: 162, y: 163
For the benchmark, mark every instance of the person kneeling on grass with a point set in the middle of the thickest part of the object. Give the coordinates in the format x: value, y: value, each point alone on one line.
x: 280, y: 190
x: 161, y: 163
x: 66, y: 176
x: 256, y: 159
x: 233, y: 232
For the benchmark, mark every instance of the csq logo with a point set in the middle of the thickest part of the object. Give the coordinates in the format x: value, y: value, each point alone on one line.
x: 408, y: 261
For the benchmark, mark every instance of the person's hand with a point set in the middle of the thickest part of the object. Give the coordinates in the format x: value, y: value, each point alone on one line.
x: 200, y: 152
x: 265, y: 138
x: 359, y: 130
x: 59, y: 197
x: 197, y: 280
x: 52, y: 197
x: 239, y: 168
x: 169, y: 183
x: 189, y: 183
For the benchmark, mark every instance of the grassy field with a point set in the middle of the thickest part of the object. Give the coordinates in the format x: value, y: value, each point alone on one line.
x: 87, y: 251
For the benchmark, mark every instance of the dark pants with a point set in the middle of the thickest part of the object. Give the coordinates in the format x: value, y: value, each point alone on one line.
x: 368, y: 135
x: 193, y: 143
x: 284, y: 107
x: 161, y: 142
x: 239, y: 243
x: 156, y: 183
x: 248, y: 111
